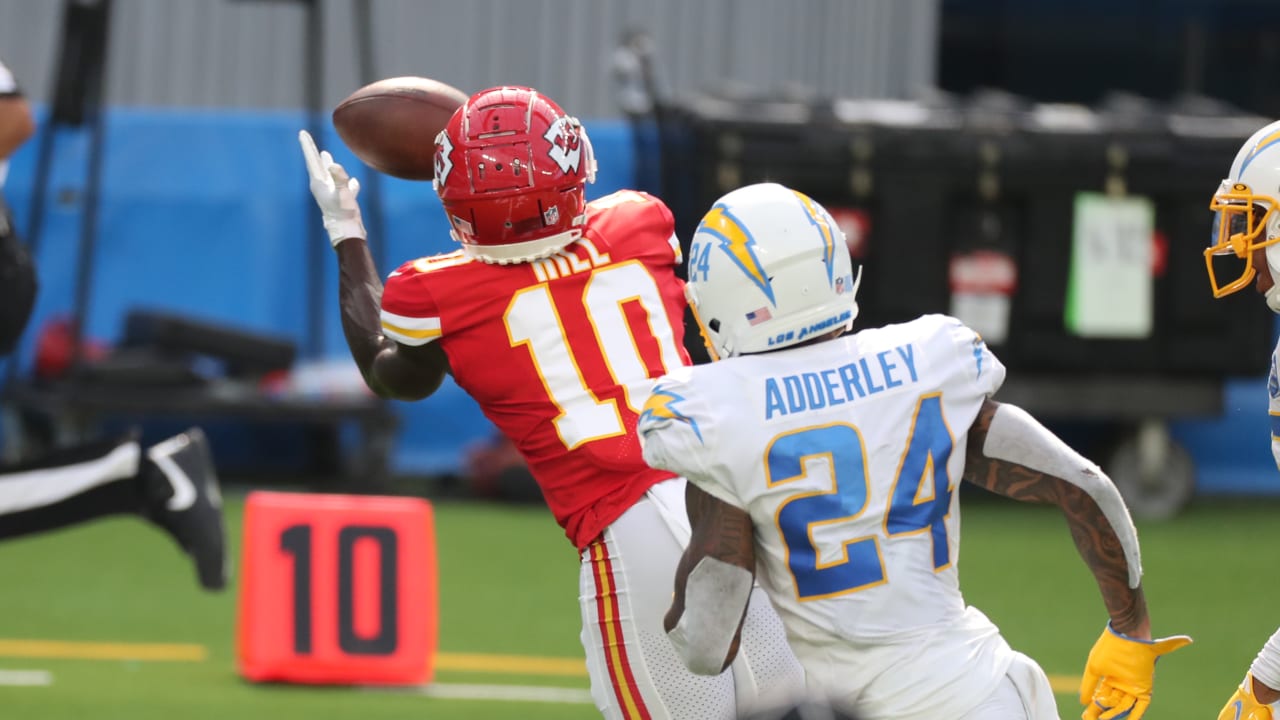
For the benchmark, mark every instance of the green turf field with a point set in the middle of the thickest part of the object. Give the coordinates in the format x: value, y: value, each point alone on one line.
x: 508, y: 596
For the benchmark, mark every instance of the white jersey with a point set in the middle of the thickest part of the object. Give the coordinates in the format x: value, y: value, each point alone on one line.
x: 847, y: 455
x: 1273, y: 403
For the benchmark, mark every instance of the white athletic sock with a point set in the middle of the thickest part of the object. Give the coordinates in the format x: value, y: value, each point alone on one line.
x: 38, y: 487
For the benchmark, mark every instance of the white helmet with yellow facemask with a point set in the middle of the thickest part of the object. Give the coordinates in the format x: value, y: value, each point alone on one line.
x: 1247, y: 215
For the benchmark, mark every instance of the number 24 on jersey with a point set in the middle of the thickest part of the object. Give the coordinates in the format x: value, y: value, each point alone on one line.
x: 919, y: 501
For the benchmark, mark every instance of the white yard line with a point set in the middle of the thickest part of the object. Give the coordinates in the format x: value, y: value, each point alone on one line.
x: 513, y: 693
x: 26, y: 678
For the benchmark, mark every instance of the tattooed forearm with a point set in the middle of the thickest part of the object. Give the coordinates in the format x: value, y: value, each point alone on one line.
x: 698, y: 504
x: 1094, y: 537
x: 720, y: 531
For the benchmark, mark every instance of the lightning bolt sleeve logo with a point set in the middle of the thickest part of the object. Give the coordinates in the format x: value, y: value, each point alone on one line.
x: 978, y: 347
x: 661, y: 406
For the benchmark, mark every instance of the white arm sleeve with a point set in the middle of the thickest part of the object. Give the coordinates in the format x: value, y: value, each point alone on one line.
x: 1015, y: 436
x: 715, y: 597
x: 1266, y: 667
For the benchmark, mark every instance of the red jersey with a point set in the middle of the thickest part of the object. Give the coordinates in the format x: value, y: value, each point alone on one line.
x: 560, y: 353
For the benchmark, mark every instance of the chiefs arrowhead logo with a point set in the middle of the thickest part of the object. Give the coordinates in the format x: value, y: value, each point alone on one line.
x: 566, y: 144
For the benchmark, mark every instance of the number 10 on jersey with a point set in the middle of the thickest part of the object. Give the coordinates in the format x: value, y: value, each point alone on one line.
x: 534, y: 320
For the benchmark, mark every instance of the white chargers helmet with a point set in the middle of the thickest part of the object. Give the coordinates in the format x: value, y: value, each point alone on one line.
x: 769, y: 268
x: 1246, y: 214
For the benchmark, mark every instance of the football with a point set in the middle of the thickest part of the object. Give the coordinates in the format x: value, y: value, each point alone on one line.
x: 391, y: 124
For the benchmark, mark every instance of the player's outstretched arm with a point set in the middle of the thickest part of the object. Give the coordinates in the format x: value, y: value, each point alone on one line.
x: 1028, y: 465
x: 713, y: 584
x: 1011, y: 454
x: 391, y: 370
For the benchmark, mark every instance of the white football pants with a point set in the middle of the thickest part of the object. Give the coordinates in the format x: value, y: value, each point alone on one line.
x: 1024, y: 694
x: 625, y: 587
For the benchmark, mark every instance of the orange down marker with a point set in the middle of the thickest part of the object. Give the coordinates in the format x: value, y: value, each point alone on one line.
x: 337, y: 589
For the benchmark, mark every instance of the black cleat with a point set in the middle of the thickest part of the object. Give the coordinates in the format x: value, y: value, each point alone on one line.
x: 192, y: 513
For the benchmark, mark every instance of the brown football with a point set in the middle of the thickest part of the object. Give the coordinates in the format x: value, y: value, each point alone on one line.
x: 392, y: 124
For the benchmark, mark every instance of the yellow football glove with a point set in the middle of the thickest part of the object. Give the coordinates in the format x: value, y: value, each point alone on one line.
x: 1244, y: 706
x: 1119, y: 674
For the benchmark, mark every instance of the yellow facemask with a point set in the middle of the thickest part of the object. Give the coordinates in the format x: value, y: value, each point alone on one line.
x: 1239, y: 228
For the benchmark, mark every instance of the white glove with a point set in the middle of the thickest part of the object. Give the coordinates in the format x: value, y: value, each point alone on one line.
x: 335, y: 192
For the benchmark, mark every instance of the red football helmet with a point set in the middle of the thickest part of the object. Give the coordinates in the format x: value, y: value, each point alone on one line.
x: 511, y: 170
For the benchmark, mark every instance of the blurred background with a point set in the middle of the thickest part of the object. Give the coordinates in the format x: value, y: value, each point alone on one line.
x: 1039, y: 168
x: 950, y: 138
